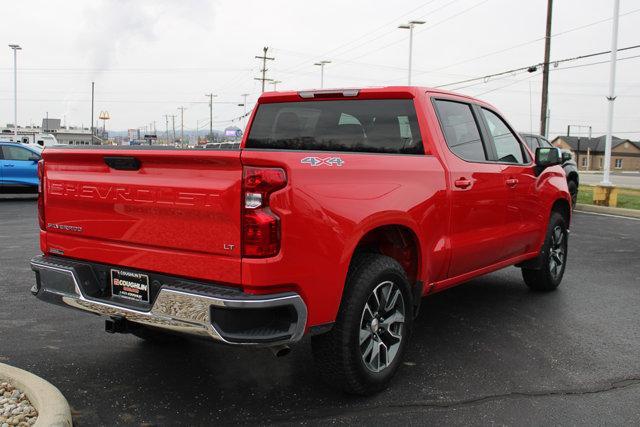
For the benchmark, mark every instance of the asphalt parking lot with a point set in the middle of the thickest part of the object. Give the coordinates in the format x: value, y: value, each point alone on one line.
x: 485, y: 352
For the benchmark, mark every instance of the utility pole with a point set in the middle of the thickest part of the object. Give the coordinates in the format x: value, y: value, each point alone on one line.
x: 181, y: 125
x: 275, y: 84
x: 211, y: 96
x: 264, y: 58
x: 244, y: 102
x: 409, y: 27
x: 578, y: 147
x: 15, y: 48
x: 612, y: 95
x: 545, y: 73
x: 93, y: 84
x: 166, y: 124
x: 173, y: 126
x: 321, y: 64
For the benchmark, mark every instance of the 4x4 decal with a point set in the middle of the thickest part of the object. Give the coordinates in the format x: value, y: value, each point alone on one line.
x: 328, y: 161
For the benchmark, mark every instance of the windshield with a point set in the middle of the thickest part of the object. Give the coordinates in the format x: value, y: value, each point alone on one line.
x: 378, y: 126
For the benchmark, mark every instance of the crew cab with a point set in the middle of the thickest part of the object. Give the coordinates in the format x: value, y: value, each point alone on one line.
x: 337, y: 213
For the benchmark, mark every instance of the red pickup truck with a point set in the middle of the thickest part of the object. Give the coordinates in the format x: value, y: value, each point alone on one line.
x: 337, y: 213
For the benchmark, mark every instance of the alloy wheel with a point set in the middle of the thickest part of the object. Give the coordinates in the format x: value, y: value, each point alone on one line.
x: 557, y: 252
x: 382, y: 326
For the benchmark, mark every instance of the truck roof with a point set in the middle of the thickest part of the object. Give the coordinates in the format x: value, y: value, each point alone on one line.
x: 359, y: 92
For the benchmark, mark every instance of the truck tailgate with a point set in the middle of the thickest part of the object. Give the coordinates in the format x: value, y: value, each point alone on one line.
x: 169, y: 211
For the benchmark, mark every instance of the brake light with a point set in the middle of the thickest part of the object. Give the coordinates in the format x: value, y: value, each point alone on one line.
x: 260, y: 226
x: 41, y: 186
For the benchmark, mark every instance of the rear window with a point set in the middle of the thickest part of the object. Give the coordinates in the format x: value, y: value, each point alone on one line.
x: 376, y: 126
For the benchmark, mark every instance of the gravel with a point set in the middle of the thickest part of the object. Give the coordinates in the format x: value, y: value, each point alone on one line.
x: 15, y: 408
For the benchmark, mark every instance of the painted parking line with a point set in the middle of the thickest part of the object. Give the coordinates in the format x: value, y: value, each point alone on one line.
x: 610, y: 215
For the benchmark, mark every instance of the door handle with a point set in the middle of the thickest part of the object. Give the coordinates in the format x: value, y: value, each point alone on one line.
x: 512, y: 182
x: 462, y: 183
x: 9, y: 166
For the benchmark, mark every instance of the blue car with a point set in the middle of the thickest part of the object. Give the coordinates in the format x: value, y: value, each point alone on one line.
x: 18, y: 168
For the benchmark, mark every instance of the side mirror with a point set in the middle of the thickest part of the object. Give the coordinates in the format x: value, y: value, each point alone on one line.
x: 566, y: 156
x: 548, y: 156
x: 34, y: 159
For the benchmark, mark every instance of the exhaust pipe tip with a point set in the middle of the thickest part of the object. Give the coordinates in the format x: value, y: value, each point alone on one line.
x: 280, y: 350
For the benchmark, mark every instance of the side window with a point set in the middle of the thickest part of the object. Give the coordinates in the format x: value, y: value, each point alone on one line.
x: 532, y: 142
x: 17, y: 153
x: 460, y: 130
x: 545, y: 143
x: 506, y: 144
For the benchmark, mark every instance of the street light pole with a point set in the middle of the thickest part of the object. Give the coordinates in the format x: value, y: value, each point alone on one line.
x: 409, y: 27
x: 612, y: 97
x: 15, y: 48
x: 321, y: 64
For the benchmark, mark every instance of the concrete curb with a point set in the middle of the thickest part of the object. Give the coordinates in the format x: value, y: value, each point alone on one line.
x: 52, y: 407
x: 630, y: 213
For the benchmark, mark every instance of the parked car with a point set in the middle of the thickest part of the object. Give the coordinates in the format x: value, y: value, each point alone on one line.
x: 568, y: 164
x: 340, y: 210
x: 18, y: 167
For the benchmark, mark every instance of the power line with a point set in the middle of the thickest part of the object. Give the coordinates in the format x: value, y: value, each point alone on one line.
x: 455, y: 15
x: 385, y: 25
x: 554, y: 70
x: 486, y: 78
x: 567, y: 31
x: 502, y: 87
x: 393, y: 31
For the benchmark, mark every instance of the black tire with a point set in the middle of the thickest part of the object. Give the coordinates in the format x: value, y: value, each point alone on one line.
x: 156, y: 336
x: 340, y: 356
x: 573, y: 191
x: 552, y: 258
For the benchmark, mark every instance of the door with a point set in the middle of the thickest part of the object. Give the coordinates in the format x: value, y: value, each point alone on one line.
x: 478, y: 193
x: 19, y: 166
x: 523, y: 209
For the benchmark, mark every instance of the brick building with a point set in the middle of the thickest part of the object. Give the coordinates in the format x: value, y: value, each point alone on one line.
x: 589, y: 152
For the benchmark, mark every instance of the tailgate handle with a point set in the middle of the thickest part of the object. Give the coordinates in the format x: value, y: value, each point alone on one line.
x: 123, y: 163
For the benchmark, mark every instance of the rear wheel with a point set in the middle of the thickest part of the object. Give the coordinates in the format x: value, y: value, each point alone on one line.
x: 365, y: 347
x: 553, y: 257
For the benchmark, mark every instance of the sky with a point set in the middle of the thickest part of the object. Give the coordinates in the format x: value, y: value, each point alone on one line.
x: 150, y: 57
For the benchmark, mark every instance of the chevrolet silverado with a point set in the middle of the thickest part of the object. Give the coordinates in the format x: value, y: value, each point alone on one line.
x: 337, y: 213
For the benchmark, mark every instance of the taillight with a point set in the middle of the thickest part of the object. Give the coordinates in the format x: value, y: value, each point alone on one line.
x: 41, y: 187
x: 260, y: 226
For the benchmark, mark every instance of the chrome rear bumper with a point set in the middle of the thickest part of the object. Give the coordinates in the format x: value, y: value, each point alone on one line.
x: 191, y: 309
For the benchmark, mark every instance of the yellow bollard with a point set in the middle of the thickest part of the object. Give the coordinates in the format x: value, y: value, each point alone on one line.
x: 604, y: 195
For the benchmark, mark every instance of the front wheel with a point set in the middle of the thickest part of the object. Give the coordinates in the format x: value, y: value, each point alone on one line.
x: 553, y: 257
x: 365, y: 347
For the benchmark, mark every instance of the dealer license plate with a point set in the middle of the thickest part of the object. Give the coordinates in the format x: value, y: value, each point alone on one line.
x: 130, y: 285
